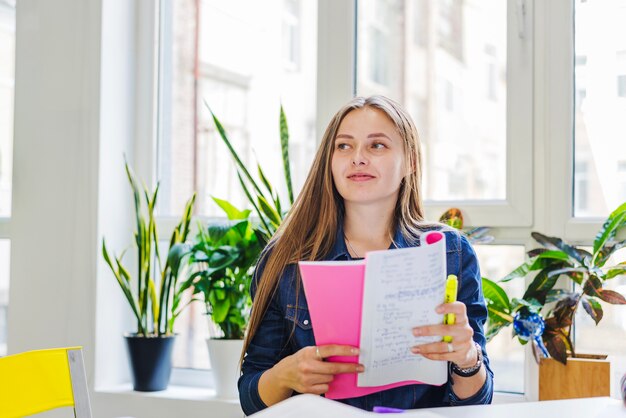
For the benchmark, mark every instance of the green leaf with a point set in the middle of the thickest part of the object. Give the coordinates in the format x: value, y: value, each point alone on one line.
x: 593, y: 308
x: 612, y: 224
x: 284, y: 146
x: 264, y: 180
x: 616, y: 271
x: 566, y: 270
x: 269, y: 232
x: 541, y: 285
x: 593, y: 286
x: 240, y: 165
x: 531, y: 305
x: 219, y: 308
x: 496, y: 296
x: 494, y: 328
x: 230, y: 210
x: 606, y: 251
x: 542, y: 260
x: 555, y: 295
x: 175, y: 256
x: 269, y: 211
x: 555, y: 243
x: 217, y: 231
x: 155, y: 305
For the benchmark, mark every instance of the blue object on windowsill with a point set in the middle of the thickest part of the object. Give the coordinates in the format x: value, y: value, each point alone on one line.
x: 530, y: 326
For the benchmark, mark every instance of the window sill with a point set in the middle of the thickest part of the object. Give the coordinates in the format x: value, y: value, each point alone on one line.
x: 185, y: 401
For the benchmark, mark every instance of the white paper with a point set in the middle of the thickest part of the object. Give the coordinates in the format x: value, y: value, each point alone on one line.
x: 402, y: 289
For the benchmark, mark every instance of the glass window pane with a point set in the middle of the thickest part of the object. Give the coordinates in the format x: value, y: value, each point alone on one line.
x: 506, y: 353
x: 600, y: 106
x: 192, y: 329
x: 5, y: 252
x: 249, y: 58
x: 445, y: 61
x: 7, y: 81
x: 609, y: 336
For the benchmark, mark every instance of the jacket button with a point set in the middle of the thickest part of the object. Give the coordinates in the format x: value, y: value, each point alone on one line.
x: 305, y: 322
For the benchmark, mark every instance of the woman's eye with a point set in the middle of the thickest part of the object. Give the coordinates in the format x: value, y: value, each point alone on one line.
x: 378, y: 145
x: 342, y: 146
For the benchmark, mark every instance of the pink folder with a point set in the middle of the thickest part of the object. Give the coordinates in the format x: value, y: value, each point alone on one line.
x: 334, y: 293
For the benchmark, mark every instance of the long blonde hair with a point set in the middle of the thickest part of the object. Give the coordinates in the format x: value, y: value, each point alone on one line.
x: 308, y: 232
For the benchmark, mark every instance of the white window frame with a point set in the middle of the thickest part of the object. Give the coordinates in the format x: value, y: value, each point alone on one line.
x: 516, y: 209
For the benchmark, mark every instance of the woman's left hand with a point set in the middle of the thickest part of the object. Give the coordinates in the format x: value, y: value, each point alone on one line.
x: 461, y: 350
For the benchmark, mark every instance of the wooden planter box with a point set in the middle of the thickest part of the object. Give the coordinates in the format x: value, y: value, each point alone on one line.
x: 584, y: 376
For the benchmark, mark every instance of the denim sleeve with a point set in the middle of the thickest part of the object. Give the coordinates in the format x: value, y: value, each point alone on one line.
x: 471, y: 294
x: 264, y: 351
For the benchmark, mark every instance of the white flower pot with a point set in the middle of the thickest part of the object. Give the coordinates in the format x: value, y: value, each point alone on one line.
x: 224, y: 355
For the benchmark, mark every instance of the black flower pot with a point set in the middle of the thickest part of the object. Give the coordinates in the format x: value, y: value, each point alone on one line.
x: 151, y: 361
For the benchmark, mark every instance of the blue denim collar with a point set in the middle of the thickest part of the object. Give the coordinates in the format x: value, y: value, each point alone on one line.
x: 340, y: 250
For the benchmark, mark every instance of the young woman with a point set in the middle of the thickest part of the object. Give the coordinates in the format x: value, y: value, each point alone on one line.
x: 363, y: 193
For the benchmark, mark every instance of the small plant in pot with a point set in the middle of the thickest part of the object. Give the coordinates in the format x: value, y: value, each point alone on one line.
x: 545, y: 314
x: 154, y: 294
x: 223, y: 257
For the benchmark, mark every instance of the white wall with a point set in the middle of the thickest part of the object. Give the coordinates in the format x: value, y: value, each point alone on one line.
x: 76, y: 82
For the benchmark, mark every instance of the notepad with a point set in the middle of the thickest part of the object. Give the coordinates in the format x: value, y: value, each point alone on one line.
x: 374, y: 304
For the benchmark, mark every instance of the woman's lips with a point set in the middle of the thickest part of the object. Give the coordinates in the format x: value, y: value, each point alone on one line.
x: 360, y: 177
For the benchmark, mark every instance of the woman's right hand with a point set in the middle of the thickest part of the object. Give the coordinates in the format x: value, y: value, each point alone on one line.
x: 306, y: 371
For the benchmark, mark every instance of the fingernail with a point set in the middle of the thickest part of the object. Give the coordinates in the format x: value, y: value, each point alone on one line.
x: 360, y: 368
x: 415, y: 350
x: 355, y: 351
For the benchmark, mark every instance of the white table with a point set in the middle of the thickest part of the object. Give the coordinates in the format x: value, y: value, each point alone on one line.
x: 311, y: 406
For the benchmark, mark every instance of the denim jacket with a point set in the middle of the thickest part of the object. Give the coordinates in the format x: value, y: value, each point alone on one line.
x: 275, y: 338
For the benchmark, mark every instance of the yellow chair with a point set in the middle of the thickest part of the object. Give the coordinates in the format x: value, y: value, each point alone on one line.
x: 41, y: 380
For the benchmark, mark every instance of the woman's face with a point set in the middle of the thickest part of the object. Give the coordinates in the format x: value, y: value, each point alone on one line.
x: 368, y: 158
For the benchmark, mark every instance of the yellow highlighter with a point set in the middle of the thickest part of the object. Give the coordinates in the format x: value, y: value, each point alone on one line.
x: 452, y: 285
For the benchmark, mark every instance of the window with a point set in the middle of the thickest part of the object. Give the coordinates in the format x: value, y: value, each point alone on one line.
x: 466, y: 73
x: 269, y: 59
x: 600, y: 128
x: 455, y: 78
x: 505, y: 353
x: 7, y: 78
x: 291, y: 34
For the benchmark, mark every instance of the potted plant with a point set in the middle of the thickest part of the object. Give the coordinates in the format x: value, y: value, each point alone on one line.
x: 545, y: 314
x: 154, y: 294
x: 478, y: 235
x: 266, y: 203
x: 224, y: 255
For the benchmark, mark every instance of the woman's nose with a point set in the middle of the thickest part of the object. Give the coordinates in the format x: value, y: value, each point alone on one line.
x: 358, y: 158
